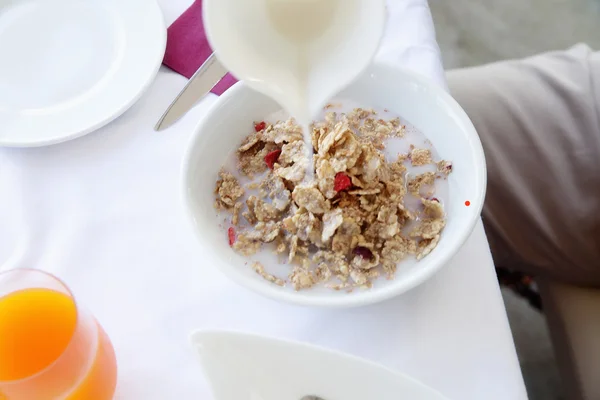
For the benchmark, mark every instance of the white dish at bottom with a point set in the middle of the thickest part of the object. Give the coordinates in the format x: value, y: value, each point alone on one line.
x: 248, y: 367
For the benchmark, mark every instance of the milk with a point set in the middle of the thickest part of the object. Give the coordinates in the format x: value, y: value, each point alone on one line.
x: 289, y: 19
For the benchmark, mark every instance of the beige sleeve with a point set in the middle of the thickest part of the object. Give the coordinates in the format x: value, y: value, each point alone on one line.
x: 538, y: 119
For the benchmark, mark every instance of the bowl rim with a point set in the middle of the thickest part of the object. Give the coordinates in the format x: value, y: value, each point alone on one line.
x: 358, y: 298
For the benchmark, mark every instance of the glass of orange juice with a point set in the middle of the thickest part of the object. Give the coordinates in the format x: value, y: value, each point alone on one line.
x: 50, y: 347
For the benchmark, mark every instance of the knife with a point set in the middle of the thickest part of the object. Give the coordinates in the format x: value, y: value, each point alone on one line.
x: 207, y: 76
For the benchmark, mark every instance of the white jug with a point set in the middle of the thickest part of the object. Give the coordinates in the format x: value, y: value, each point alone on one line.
x: 298, y: 52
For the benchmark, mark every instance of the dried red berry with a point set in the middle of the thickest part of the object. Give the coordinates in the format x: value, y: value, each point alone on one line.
x: 259, y: 126
x: 447, y: 168
x: 231, y: 236
x: 363, y: 252
x: 272, y: 157
x: 341, y: 182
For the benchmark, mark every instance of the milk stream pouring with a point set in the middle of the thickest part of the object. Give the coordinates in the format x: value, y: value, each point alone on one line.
x: 298, y: 52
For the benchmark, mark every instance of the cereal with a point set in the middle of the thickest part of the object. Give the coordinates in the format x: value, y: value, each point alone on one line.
x: 350, y: 224
x: 428, y: 228
x: 261, y: 211
x: 228, y: 190
x: 268, y: 231
x: 292, y: 153
x: 252, y: 161
x: 294, y: 173
x: 310, y: 198
x: 322, y: 273
x: 235, y: 218
x: 415, y: 184
x: 305, y: 225
x: 359, y: 277
x: 283, y: 132
x: 426, y: 246
x: 433, y: 208
x: 260, y: 269
x: 444, y: 167
x: 419, y: 157
x: 276, y: 190
x: 246, y: 244
x: 364, y: 258
x: 331, y: 221
x: 326, y: 178
x: 302, y: 278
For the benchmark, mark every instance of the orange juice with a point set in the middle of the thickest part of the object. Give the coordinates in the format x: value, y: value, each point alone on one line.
x: 36, y: 326
x: 99, y: 383
x: 51, y: 350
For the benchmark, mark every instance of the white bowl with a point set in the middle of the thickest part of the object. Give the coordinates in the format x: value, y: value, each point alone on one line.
x: 424, y: 104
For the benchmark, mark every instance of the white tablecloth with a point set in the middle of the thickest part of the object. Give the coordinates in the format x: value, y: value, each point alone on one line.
x: 104, y: 213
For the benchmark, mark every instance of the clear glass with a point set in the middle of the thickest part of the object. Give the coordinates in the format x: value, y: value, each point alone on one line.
x: 85, y: 369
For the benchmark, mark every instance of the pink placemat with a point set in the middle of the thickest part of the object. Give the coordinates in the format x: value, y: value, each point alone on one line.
x: 188, y: 48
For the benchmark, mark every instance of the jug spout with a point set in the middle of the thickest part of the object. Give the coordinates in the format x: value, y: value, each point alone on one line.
x: 298, y: 52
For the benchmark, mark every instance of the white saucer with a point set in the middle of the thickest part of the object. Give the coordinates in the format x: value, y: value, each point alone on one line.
x: 68, y: 67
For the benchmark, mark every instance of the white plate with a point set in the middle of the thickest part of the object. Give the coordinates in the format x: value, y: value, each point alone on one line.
x: 247, y: 367
x: 71, y: 66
